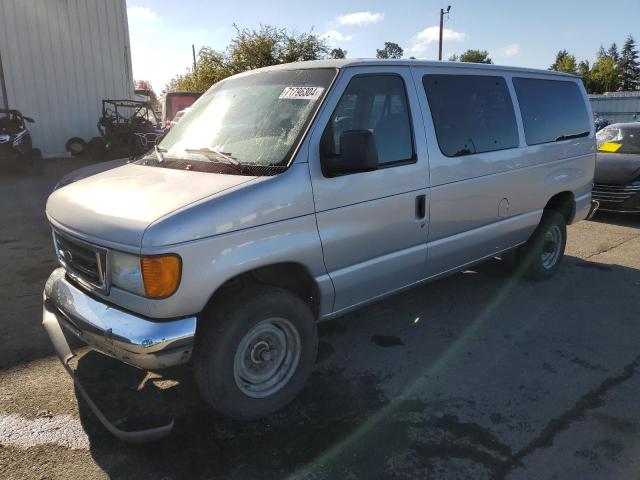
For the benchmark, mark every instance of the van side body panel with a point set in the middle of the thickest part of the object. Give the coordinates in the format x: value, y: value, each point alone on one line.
x: 485, y: 203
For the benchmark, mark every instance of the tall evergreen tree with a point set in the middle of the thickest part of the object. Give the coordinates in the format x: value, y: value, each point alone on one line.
x: 628, y: 66
x: 565, y: 62
x: 613, y: 52
x: 584, y: 71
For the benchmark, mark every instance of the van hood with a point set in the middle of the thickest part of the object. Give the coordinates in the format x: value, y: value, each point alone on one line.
x: 115, y: 207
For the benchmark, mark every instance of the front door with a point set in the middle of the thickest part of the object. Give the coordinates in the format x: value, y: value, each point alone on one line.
x: 373, y: 225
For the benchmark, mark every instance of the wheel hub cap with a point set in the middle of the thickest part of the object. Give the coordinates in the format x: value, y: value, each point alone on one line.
x: 267, y: 357
x: 551, y: 247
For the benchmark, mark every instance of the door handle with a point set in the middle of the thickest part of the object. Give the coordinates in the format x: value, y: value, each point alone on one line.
x: 421, y: 207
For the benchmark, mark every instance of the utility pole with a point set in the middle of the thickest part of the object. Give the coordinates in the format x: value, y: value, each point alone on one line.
x: 442, y: 14
x: 193, y: 51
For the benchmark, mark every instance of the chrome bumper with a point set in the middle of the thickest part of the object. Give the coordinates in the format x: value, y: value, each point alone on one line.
x: 131, y: 339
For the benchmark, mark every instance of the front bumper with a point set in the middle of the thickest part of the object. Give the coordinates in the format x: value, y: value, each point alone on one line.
x: 618, y: 198
x: 131, y: 339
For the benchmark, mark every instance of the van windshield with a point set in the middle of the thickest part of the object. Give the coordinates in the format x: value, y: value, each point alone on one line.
x: 250, y: 124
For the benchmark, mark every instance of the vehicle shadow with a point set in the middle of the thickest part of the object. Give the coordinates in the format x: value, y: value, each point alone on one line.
x: 457, y: 375
x: 620, y: 219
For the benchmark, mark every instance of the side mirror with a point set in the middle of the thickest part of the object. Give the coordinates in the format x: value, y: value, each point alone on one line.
x: 358, y: 153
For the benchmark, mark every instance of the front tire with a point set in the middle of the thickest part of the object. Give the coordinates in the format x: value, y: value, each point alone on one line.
x: 255, y: 352
x: 541, y: 256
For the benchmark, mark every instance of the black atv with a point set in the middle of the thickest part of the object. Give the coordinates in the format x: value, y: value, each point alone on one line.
x: 16, y: 149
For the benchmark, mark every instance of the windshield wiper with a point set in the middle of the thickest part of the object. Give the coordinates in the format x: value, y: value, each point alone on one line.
x: 572, y: 135
x: 211, y: 153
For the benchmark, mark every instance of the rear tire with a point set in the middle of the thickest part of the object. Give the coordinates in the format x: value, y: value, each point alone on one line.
x: 541, y: 256
x: 76, y: 146
x: 254, y: 352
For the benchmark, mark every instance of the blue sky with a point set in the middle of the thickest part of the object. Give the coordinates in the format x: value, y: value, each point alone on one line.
x: 515, y: 32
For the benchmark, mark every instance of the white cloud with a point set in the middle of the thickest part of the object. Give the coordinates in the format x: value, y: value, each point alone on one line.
x: 360, y: 18
x: 511, y: 50
x: 141, y: 13
x: 432, y: 34
x: 333, y: 36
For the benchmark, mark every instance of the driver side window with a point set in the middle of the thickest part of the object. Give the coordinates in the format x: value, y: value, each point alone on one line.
x: 377, y: 103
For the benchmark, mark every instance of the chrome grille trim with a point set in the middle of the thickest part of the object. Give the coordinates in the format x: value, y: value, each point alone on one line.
x: 608, y: 193
x: 84, y: 262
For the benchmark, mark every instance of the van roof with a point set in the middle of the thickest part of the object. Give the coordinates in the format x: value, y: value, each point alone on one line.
x: 371, y: 62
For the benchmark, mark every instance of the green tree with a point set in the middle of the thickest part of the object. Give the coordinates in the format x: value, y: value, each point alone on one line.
x: 604, y: 75
x: 565, y: 62
x: 302, y: 47
x: 338, y: 53
x: 584, y: 71
x: 613, y: 52
x: 628, y: 66
x: 249, y: 49
x: 390, y: 50
x: 454, y: 58
x: 472, y: 56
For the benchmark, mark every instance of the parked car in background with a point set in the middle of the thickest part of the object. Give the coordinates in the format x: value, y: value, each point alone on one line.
x: 320, y: 187
x: 617, y: 175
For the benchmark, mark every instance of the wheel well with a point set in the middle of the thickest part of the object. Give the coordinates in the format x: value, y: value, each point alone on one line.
x: 563, y: 203
x: 291, y: 276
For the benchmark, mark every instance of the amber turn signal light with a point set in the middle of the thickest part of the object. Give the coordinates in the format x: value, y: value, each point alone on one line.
x: 161, y: 275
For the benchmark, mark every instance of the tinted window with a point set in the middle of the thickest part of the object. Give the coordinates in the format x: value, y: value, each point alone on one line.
x: 551, y: 110
x: 471, y: 113
x: 378, y: 104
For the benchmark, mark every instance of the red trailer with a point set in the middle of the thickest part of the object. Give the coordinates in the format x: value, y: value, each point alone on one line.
x: 176, y: 101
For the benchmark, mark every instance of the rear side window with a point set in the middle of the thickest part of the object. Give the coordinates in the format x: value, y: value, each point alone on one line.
x: 471, y: 113
x: 377, y: 103
x: 552, y: 110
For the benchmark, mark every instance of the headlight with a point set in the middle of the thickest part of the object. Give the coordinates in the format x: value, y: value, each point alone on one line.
x: 156, y: 276
x: 126, y: 272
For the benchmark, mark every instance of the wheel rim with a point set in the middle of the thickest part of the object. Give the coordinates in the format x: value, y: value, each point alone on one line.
x: 76, y: 148
x: 551, y: 247
x: 267, y: 357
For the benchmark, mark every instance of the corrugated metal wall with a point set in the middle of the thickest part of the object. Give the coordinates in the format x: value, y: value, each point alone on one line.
x: 60, y: 59
x: 617, y: 107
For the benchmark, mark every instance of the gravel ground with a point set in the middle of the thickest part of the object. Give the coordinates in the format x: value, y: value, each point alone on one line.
x: 479, y: 375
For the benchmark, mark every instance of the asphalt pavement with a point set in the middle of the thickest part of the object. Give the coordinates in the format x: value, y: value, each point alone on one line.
x: 479, y: 375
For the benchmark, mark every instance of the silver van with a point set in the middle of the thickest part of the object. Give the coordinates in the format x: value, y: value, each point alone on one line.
x: 295, y: 193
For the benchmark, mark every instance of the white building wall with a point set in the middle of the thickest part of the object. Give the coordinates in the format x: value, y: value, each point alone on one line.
x: 60, y: 59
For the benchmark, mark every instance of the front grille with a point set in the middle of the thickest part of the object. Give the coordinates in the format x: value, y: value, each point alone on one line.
x: 613, y: 194
x: 85, y: 263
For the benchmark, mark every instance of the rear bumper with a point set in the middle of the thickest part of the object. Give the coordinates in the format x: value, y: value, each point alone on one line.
x: 129, y: 338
